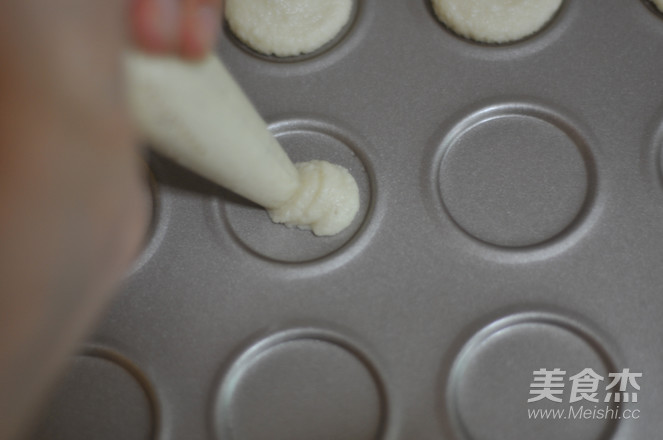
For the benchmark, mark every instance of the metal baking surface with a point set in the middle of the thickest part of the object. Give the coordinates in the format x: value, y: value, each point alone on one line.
x: 504, y: 279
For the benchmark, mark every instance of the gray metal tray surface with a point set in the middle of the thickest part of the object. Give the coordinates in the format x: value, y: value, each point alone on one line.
x: 503, y: 279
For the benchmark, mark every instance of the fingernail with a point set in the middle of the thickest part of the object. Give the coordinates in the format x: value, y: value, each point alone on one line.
x: 208, y: 26
x: 166, y: 20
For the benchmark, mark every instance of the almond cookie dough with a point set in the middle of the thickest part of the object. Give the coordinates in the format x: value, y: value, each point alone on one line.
x: 496, y: 21
x: 326, y: 201
x: 287, y: 27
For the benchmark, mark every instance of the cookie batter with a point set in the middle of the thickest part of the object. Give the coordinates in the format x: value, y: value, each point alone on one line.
x: 496, y: 21
x: 287, y: 27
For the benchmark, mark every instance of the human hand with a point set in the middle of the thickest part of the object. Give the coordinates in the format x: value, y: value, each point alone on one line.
x: 185, y: 27
x: 74, y: 206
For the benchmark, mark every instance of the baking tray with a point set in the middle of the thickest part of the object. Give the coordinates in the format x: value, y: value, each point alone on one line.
x: 509, y: 247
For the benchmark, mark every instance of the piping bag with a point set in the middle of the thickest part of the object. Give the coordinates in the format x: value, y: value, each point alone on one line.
x: 196, y: 114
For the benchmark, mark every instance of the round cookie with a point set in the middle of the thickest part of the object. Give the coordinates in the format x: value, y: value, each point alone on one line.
x: 287, y: 27
x: 495, y: 21
x: 658, y: 4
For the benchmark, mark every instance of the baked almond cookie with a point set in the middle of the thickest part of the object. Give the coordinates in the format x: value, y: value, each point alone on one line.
x: 496, y: 21
x: 287, y: 27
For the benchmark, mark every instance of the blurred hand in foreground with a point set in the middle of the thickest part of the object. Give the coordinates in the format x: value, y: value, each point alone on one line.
x: 74, y: 206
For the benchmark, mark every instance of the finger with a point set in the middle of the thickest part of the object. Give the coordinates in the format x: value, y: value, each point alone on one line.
x: 200, y: 25
x: 156, y: 24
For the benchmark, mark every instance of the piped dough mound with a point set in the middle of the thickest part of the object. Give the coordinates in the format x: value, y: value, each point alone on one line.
x: 495, y: 21
x: 326, y: 201
x: 287, y: 27
x: 659, y: 4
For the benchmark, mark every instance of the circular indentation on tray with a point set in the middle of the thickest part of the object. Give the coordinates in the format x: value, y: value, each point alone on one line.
x: 301, y: 385
x: 303, y: 140
x: 490, y: 381
x: 656, y: 156
x: 651, y: 159
x: 159, y: 215
x: 515, y: 175
x: 357, y: 9
x: 101, y: 396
